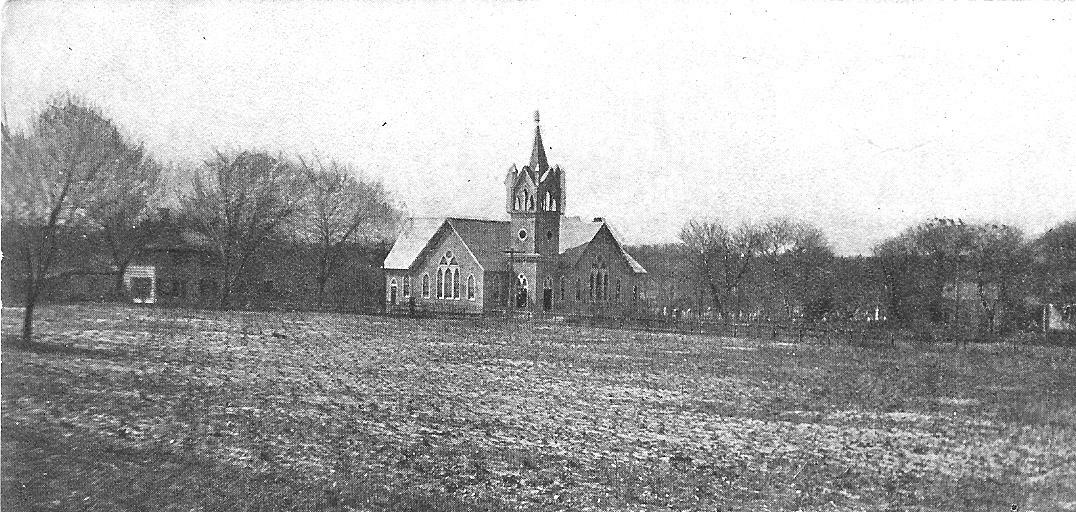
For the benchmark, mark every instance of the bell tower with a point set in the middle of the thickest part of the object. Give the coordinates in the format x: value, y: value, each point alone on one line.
x: 535, y: 201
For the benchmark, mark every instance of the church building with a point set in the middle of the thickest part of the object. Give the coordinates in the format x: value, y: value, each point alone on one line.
x: 538, y: 260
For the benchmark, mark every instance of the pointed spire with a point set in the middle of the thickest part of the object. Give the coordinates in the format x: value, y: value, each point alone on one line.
x: 539, y: 165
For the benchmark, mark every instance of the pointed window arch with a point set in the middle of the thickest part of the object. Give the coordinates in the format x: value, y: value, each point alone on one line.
x: 426, y: 285
x: 407, y: 286
x: 448, y: 283
x: 470, y: 287
x: 392, y: 291
x: 549, y: 202
x: 448, y: 277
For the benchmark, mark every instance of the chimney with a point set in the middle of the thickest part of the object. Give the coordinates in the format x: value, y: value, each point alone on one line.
x: 599, y: 219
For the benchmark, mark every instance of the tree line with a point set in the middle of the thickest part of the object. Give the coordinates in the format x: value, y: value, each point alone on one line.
x: 982, y: 277
x: 73, y: 180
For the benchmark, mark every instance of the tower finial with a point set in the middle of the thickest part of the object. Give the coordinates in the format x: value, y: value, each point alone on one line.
x: 535, y: 117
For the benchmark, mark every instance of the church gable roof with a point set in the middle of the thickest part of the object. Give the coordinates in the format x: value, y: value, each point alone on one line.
x: 416, y: 234
x: 576, y: 234
x: 485, y: 239
x: 635, y: 266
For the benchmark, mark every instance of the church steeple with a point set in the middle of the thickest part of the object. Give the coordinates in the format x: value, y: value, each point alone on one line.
x: 539, y: 164
x: 537, y: 187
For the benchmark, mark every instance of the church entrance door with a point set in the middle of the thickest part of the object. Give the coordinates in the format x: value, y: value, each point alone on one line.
x: 521, y: 291
x: 547, y: 294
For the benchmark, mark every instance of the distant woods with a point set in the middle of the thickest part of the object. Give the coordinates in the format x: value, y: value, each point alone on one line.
x: 80, y: 195
x: 972, y: 279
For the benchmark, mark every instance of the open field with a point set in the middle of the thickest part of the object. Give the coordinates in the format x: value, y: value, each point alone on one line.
x: 142, y: 409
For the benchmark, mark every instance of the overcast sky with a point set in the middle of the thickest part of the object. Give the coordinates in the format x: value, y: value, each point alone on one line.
x: 862, y: 119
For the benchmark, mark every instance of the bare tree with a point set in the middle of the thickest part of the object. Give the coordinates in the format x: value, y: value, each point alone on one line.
x: 52, y: 175
x: 932, y: 263
x: 808, y: 257
x: 1054, y: 254
x: 999, y: 256
x: 721, y: 257
x: 778, y: 237
x: 122, y: 208
x: 238, y: 202
x: 343, y: 209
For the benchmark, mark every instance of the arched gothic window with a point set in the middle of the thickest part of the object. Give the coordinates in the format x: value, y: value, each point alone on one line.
x: 425, y: 286
x: 448, y: 276
x: 599, y: 280
x: 392, y: 291
x: 407, y: 286
x: 470, y: 287
x: 549, y: 204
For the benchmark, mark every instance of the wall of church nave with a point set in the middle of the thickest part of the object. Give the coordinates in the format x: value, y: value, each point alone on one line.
x: 422, y: 295
x: 579, y: 298
x: 600, y: 282
x: 449, y: 280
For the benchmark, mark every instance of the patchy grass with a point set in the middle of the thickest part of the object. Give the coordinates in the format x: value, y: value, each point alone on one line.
x: 142, y: 409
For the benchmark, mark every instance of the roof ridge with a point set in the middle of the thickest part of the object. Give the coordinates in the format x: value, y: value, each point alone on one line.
x: 474, y: 219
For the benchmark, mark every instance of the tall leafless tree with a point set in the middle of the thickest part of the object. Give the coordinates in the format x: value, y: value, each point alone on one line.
x: 721, y: 257
x: 778, y: 237
x: 238, y: 202
x: 52, y: 177
x: 122, y: 208
x: 998, y: 257
x: 343, y: 209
